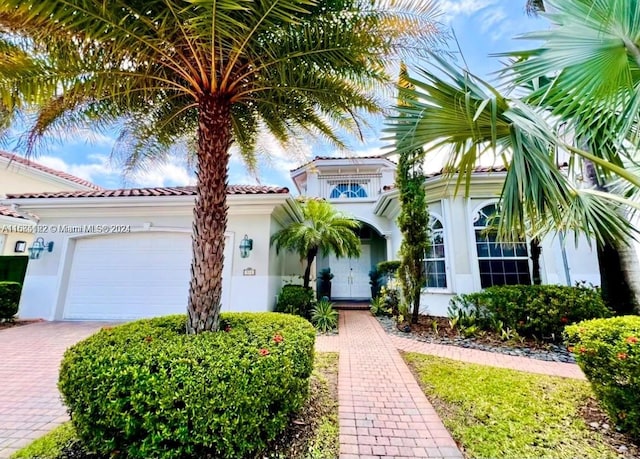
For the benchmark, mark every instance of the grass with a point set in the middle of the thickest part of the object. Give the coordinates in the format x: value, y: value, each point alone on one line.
x: 495, y: 412
x: 325, y: 443
x: 50, y: 445
x: 317, y: 436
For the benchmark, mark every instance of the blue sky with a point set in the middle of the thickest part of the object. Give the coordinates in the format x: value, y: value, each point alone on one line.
x: 482, y: 27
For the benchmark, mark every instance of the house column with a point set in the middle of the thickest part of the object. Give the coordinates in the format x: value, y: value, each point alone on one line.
x: 387, y: 236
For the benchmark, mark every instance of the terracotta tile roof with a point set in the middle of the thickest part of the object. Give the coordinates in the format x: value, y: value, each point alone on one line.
x: 135, y: 192
x: 9, y: 212
x: 63, y: 175
x: 354, y: 158
x: 477, y: 170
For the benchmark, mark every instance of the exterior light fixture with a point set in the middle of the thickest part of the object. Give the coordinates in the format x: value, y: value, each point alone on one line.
x: 38, y: 247
x: 20, y: 247
x: 246, y: 246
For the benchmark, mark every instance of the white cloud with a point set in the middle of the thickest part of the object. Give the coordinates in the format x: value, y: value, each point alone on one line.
x: 101, y: 170
x: 453, y: 8
x: 491, y: 18
x: 79, y: 136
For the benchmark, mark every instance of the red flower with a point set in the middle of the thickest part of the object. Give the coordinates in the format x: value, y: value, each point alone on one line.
x: 278, y: 338
x: 227, y: 328
x: 263, y: 352
x: 582, y: 350
x: 631, y: 340
x: 564, y: 320
x: 148, y: 339
x: 570, y: 348
x: 622, y: 355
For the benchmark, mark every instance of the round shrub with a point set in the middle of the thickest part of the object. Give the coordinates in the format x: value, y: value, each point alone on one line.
x: 608, y: 351
x: 295, y: 299
x: 149, y: 390
x: 9, y: 299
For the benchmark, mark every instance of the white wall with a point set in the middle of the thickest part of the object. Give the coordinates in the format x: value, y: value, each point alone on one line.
x: 44, y: 285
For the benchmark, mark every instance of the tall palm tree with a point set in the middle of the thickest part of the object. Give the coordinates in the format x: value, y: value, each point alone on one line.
x: 612, y: 27
x: 209, y: 73
x: 323, y: 230
x: 591, y: 55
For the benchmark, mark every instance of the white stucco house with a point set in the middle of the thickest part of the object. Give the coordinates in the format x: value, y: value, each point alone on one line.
x: 124, y: 254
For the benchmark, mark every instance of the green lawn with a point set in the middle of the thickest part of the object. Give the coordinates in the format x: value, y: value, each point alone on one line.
x: 499, y: 413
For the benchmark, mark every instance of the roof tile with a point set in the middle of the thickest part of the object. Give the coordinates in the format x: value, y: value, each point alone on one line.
x: 354, y: 158
x: 137, y: 192
x: 9, y: 212
x: 63, y: 175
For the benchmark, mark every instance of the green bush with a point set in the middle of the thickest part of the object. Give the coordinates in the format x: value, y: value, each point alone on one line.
x: 295, y: 299
x: 608, y: 351
x: 9, y: 299
x: 151, y: 391
x: 540, y: 311
x: 324, y: 317
x: 388, y: 268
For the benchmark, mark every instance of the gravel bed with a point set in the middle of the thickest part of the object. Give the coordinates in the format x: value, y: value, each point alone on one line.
x: 552, y: 353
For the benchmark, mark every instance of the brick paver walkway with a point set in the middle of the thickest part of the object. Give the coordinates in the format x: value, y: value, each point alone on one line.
x: 30, y: 404
x: 381, y: 405
x: 383, y: 412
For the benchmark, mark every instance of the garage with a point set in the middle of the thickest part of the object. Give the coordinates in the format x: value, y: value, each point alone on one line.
x: 130, y: 276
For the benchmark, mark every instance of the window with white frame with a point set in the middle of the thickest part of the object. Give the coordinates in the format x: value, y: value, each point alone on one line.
x: 435, y: 263
x: 348, y: 190
x: 500, y: 263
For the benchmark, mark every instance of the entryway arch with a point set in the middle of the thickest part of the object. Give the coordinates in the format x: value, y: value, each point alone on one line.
x: 351, y: 275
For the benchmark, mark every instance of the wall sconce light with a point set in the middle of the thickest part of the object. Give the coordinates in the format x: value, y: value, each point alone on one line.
x: 38, y: 247
x: 246, y: 246
x: 20, y: 247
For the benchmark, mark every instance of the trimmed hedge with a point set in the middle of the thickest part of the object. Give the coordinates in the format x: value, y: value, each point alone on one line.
x: 150, y: 391
x: 532, y: 310
x: 608, y: 351
x: 295, y: 299
x: 9, y: 299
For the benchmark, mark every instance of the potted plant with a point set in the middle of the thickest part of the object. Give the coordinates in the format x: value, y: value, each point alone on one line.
x: 376, y: 280
x: 324, y: 283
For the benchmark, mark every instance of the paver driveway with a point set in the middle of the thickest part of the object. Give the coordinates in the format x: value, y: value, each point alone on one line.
x: 29, y: 359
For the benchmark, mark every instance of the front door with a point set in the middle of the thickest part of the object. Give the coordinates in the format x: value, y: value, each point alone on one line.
x: 351, y: 275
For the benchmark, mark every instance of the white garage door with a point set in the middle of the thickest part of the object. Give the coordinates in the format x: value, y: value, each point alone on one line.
x: 131, y: 276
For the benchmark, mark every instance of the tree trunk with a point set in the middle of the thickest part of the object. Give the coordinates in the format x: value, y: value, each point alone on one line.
x: 618, y: 265
x: 616, y: 291
x: 210, y: 214
x: 311, y: 255
x: 536, y: 250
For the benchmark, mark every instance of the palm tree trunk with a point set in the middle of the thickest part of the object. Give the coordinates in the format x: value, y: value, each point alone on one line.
x: 210, y: 214
x: 618, y: 265
x: 536, y: 251
x: 311, y: 255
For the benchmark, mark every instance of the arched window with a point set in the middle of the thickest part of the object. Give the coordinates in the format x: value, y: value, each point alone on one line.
x: 348, y: 190
x: 500, y: 263
x: 435, y: 263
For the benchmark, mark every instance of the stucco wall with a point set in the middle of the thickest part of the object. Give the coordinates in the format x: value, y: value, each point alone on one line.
x: 44, y: 288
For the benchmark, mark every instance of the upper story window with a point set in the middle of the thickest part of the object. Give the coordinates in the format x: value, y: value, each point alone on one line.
x: 348, y: 190
x: 435, y: 262
x: 500, y: 263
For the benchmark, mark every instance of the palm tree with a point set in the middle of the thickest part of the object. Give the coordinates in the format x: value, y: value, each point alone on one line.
x: 323, y: 230
x: 206, y: 73
x: 618, y: 261
x: 592, y: 56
